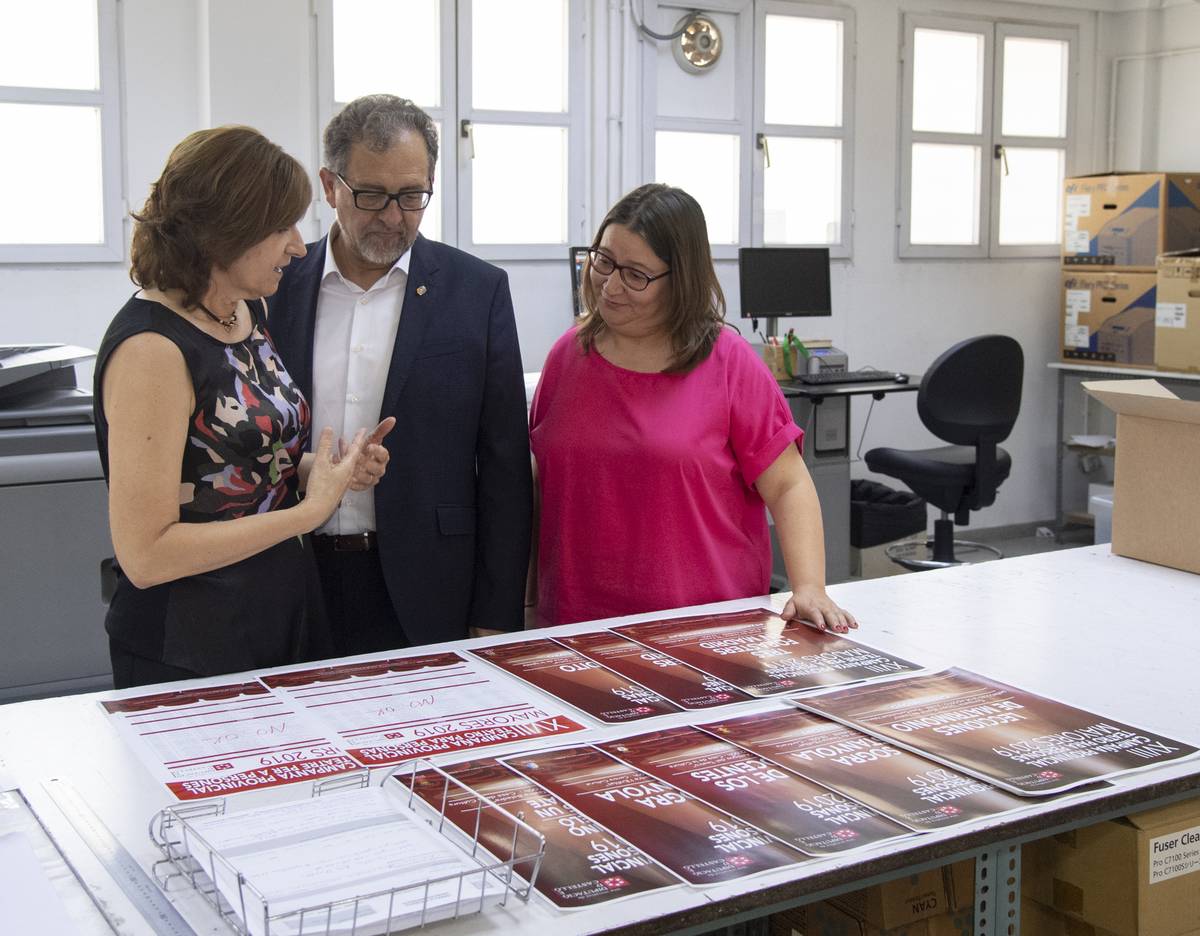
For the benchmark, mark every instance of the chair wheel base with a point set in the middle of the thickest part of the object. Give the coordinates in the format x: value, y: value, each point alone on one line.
x: 918, y: 557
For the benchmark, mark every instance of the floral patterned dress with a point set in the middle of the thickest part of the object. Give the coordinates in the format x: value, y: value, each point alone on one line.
x: 245, y: 438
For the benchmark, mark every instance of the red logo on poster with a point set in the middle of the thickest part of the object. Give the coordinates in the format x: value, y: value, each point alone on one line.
x: 1049, y: 775
x: 222, y: 767
x: 616, y: 882
x: 846, y: 834
x: 740, y: 861
x: 949, y: 810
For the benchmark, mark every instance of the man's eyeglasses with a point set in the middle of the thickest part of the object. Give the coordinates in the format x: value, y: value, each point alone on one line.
x: 374, y: 200
x: 636, y: 280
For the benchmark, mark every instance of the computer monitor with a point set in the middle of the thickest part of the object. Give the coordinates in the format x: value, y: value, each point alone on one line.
x: 782, y: 282
x: 577, y: 255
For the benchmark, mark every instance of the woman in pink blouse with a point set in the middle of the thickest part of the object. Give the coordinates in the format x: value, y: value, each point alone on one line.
x: 660, y: 437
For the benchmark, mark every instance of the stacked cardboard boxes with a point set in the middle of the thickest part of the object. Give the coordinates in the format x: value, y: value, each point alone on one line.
x: 1137, y: 876
x: 1115, y: 227
x: 938, y: 902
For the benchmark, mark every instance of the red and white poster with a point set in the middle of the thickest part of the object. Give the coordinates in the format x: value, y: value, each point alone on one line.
x: 576, y: 680
x: 764, y: 655
x: 686, y: 687
x: 805, y: 815
x: 224, y: 739
x: 699, y: 843
x: 916, y: 792
x: 584, y: 864
x: 389, y: 711
x: 1019, y: 741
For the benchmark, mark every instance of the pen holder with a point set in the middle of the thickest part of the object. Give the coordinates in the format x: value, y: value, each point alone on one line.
x: 785, y: 361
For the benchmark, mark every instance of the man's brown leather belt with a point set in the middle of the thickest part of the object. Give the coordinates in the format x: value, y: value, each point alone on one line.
x: 350, y: 542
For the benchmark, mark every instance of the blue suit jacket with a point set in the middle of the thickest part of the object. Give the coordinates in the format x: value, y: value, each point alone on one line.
x: 453, y: 512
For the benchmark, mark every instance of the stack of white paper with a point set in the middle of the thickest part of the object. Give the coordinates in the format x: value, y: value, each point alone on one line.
x: 323, y: 853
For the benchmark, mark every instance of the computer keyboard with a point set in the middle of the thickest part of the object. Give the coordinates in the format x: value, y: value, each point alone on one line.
x: 846, y: 377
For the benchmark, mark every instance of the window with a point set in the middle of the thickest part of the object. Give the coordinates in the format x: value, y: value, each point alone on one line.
x: 985, y: 141
x: 59, y: 118
x: 505, y: 91
x: 709, y: 128
x: 803, y: 138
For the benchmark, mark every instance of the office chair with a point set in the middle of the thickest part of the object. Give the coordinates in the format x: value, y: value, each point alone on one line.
x: 968, y: 397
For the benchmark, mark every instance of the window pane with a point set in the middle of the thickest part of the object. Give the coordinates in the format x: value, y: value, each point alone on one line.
x: 802, y: 192
x: 519, y: 185
x: 1035, y: 87
x: 705, y: 165
x: 59, y: 198
x: 381, y: 46
x: 803, y: 53
x: 945, y: 194
x: 519, y: 55
x: 947, y: 81
x: 1031, y: 196
x: 49, y: 44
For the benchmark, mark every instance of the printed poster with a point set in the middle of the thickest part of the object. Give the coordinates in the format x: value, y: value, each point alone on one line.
x: 764, y: 655
x: 806, y: 816
x: 686, y: 687
x: 389, y: 711
x: 584, y: 864
x: 576, y: 680
x: 224, y: 739
x: 697, y: 842
x: 916, y: 792
x: 1019, y: 741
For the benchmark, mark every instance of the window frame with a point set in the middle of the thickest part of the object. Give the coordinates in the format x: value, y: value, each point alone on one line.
x: 993, y: 33
x: 452, y: 179
x: 749, y: 92
x: 844, y: 248
x: 107, y: 98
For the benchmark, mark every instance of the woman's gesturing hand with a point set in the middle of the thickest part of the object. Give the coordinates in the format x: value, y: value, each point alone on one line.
x: 328, y: 480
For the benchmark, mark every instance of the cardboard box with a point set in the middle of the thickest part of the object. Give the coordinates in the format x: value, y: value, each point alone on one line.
x: 900, y: 902
x: 1177, y: 312
x: 1108, y: 318
x: 1137, y: 876
x: 1156, y: 504
x: 826, y: 918
x: 960, y: 884
x: 1125, y: 221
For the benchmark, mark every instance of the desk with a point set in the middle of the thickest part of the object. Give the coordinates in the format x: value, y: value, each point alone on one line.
x: 1047, y: 623
x: 1186, y: 385
x: 823, y: 412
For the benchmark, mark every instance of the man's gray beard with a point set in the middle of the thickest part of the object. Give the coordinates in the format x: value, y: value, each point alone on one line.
x: 374, y: 252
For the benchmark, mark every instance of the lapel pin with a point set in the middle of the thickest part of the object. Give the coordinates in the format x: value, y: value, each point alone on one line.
x: 420, y: 290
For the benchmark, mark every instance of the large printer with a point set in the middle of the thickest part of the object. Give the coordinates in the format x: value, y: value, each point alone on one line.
x: 53, y: 527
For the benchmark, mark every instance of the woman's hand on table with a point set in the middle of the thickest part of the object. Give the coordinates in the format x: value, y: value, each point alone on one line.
x: 810, y: 605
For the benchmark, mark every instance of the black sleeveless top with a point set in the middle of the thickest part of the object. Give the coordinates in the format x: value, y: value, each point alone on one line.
x: 245, y: 438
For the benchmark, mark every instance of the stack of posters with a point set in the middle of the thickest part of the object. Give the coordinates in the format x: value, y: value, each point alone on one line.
x: 1021, y: 742
x: 584, y: 863
x: 762, y: 654
x: 577, y: 680
x: 686, y: 687
x: 389, y: 711
x: 700, y: 844
x: 809, y: 817
x: 225, y: 739
x: 918, y: 793
x: 313, y: 723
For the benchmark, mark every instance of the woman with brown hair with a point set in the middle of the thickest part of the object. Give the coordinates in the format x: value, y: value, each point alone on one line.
x: 198, y: 421
x: 659, y: 436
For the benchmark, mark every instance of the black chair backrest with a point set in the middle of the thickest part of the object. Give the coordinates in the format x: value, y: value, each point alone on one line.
x: 972, y: 393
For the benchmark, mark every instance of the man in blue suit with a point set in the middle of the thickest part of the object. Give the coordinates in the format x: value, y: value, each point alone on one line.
x: 377, y: 321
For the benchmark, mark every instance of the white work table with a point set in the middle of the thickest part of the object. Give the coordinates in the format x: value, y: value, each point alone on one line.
x: 1113, y: 635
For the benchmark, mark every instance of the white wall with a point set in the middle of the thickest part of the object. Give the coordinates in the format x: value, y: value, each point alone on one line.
x: 193, y: 63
